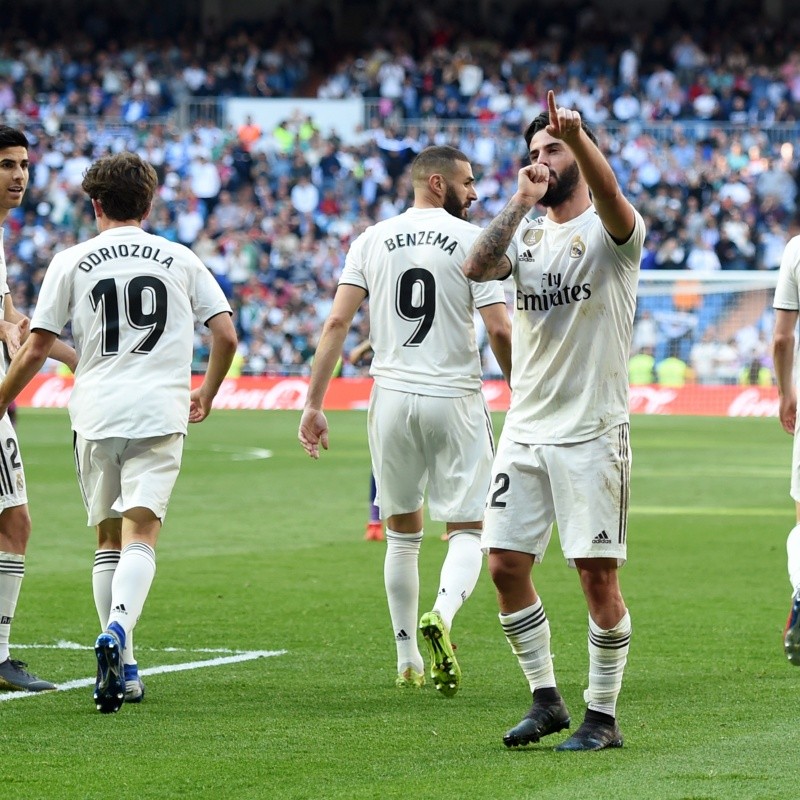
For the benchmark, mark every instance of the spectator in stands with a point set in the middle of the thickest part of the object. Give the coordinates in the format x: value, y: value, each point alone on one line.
x: 641, y: 368
x: 673, y: 371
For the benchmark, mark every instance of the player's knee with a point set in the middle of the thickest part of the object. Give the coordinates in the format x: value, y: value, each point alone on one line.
x: 508, y: 571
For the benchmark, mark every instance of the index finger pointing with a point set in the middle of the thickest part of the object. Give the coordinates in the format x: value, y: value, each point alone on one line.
x: 551, y: 105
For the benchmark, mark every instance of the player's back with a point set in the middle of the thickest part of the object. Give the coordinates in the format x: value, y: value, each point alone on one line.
x: 421, y: 304
x: 133, y: 299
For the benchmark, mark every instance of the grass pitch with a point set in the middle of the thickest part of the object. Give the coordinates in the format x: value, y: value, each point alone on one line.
x: 262, y: 551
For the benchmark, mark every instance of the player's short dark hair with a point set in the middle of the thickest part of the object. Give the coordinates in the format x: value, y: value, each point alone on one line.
x: 436, y: 159
x: 11, y: 137
x: 543, y: 120
x: 124, y: 183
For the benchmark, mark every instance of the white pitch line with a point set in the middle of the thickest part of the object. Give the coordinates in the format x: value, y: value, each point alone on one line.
x: 80, y: 683
x: 65, y: 645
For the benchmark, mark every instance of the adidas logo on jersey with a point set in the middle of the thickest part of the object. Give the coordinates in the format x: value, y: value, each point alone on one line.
x: 526, y: 256
x: 601, y: 538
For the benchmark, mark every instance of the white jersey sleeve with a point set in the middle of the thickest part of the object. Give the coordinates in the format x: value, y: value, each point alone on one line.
x: 133, y: 299
x: 787, y: 294
x: 421, y: 303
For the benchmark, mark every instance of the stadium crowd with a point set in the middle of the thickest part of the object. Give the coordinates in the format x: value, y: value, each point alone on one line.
x: 697, y: 122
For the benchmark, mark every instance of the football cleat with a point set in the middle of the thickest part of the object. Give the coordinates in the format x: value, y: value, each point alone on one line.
x: 409, y: 678
x: 597, y: 731
x: 134, y: 685
x: 791, y: 633
x: 445, y: 672
x: 541, y: 720
x: 109, y: 690
x: 374, y: 532
x: 15, y: 677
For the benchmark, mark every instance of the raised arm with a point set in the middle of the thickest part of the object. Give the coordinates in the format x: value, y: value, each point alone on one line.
x: 612, y: 206
x: 487, y: 259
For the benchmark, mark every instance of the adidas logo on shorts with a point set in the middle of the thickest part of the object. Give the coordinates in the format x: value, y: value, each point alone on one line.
x: 601, y: 538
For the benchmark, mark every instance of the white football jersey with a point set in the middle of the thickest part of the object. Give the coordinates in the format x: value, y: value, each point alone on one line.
x: 4, y: 290
x: 421, y: 304
x: 133, y: 299
x: 574, y: 308
x: 787, y: 291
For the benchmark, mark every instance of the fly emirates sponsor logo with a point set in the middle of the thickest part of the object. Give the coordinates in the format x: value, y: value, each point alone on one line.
x: 554, y: 292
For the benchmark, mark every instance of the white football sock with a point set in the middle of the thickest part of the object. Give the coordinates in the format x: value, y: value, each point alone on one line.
x: 401, y: 579
x: 460, y: 571
x: 528, y: 633
x: 132, y: 580
x: 793, y: 552
x: 608, y: 653
x: 12, y: 570
x: 105, y: 563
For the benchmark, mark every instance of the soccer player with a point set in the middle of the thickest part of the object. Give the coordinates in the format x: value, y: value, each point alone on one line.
x: 133, y: 299
x: 787, y: 306
x: 564, y: 452
x: 15, y: 521
x: 428, y: 425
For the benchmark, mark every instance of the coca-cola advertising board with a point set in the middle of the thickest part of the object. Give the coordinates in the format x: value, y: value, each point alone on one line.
x: 52, y: 391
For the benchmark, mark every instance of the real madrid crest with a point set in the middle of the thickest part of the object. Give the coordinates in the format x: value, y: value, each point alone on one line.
x: 20, y: 483
x: 533, y: 236
x: 577, y: 248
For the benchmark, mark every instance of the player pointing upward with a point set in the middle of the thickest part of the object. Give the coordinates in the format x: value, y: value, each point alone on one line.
x: 564, y: 453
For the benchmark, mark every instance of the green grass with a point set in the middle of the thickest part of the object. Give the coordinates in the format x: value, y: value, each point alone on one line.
x: 267, y: 554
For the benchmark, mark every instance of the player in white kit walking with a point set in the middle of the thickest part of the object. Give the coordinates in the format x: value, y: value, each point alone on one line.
x: 133, y: 299
x: 428, y: 425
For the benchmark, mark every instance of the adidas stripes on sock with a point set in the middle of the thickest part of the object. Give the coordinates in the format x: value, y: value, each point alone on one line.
x: 401, y: 579
x: 608, y: 653
x: 528, y: 633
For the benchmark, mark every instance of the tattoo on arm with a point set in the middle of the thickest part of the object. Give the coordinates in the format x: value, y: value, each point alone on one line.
x: 491, y: 245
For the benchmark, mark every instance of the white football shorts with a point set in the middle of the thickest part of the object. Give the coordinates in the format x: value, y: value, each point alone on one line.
x: 13, y: 489
x: 118, y: 474
x: 583, y: 487
x: 444, y: 444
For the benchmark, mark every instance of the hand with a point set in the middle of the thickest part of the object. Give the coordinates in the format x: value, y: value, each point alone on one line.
x: 313, y: 431
x: 565, y: 124
x: 787, y: 412
x: 199, y: 405
x: 532, y: 182
x: 14, y: 334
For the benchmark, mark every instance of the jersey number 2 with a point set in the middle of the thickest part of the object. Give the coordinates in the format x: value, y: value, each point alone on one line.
x: 145, y: 301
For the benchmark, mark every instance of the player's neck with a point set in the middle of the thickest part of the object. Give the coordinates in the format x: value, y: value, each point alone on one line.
x: 569, y: 209
x: 106, y: 224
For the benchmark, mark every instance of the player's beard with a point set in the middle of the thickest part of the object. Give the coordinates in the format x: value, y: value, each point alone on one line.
x: 452, y: 205
x: 563, y: 187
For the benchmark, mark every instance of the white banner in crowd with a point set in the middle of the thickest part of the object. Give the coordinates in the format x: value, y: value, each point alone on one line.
x: 343, y: 117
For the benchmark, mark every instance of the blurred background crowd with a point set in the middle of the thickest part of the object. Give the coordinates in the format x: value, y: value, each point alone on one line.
x: 697, y: 111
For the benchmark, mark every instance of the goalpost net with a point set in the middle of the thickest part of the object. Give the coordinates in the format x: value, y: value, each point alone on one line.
x: 707, y: 336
